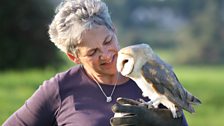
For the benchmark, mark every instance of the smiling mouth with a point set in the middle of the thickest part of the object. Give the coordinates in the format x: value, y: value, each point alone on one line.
x: 108, y: 62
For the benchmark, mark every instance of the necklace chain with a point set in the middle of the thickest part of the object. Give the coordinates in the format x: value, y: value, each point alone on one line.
x: 108, y: 98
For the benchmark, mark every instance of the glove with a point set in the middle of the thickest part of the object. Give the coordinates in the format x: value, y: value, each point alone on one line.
x: 137, y: 114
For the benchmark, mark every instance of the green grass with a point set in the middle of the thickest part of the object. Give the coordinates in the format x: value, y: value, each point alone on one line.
x: 206, y: 82
x: 17, y: 86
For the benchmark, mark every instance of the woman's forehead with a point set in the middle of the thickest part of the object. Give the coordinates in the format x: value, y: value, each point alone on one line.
x: 93, y: 36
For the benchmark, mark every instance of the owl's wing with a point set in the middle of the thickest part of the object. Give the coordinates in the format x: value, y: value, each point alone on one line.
x: 164, y: 81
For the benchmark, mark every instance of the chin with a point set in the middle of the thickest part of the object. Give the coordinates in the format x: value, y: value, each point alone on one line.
x: 110, y: 71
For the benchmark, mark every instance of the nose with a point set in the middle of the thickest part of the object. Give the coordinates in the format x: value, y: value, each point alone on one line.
x: 105, y: 55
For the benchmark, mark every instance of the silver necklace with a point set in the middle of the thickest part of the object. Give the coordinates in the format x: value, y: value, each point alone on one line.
x: 108, y: 98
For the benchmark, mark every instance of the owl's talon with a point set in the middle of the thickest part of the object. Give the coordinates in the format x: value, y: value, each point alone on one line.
x: 149, y: 105
x: 179, y: 112
x: 143, y: 103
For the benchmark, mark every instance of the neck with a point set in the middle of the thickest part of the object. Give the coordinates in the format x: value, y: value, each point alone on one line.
x: 105, y: 79
x: 108, y: 79
x: 111, y: 80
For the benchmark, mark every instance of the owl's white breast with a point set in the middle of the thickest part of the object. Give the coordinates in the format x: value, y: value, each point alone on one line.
x: 147, y: 89
x: 151, y: 93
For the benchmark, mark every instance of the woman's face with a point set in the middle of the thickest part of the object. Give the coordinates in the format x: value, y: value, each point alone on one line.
x: 98, y: 50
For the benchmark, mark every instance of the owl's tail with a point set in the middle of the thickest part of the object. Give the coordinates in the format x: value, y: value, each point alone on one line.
x: 191, y: 100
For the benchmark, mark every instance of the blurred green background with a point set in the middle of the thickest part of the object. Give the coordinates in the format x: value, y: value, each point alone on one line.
x: 188, y: 34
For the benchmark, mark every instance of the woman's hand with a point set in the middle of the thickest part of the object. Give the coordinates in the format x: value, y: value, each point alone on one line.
x: 135, y: 113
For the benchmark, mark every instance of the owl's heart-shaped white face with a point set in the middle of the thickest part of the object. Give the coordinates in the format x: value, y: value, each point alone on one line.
x: 125, y: 64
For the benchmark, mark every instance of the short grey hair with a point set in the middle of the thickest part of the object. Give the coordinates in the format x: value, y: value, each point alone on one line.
x: 73, y: 17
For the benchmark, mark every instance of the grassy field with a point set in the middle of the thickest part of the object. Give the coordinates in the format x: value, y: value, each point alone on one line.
x: 207, y: 83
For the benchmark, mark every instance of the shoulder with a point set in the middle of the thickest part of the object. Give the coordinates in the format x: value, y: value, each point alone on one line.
x: 65, y: 83
x: 71, y: 77
x: 63, y: 77
x: 72, y: 72
x: 50, y: 90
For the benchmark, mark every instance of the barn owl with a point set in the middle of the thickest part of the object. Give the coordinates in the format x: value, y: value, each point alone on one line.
x: 155, y: 78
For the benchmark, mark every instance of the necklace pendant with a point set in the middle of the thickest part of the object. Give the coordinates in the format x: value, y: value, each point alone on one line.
x: 109, y: 99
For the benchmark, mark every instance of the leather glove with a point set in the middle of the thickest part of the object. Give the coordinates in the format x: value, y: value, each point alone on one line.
x: 137, y: 114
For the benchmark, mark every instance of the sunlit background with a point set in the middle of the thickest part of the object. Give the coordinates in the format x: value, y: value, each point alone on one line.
x: 188, y: 34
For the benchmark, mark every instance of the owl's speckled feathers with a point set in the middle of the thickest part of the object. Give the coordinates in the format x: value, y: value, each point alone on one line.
x: 155, y: 78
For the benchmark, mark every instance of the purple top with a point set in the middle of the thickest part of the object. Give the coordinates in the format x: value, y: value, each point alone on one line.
x: 71, y: 98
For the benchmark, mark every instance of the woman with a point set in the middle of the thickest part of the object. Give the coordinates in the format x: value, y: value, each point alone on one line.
x: 84, y: 95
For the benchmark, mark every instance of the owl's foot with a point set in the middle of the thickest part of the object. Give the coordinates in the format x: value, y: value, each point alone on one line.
x: 148, y: 104
x: 177, y: 112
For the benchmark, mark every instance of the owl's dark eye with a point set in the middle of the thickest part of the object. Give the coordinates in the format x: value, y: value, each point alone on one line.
x: 125, y: 61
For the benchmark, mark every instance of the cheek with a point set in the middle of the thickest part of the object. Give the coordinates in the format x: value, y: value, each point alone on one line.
x: 91, y: 61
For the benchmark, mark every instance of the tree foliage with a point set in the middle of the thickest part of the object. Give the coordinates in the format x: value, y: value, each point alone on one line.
x: 202, y: 40
x: 24, y: 40
x: 193, y: 29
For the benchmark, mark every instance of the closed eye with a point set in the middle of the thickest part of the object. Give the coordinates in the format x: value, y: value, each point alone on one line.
x: 92, y: 52
x: 108, y: 40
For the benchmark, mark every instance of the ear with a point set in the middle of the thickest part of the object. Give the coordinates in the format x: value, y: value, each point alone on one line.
x: 73, y: 58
